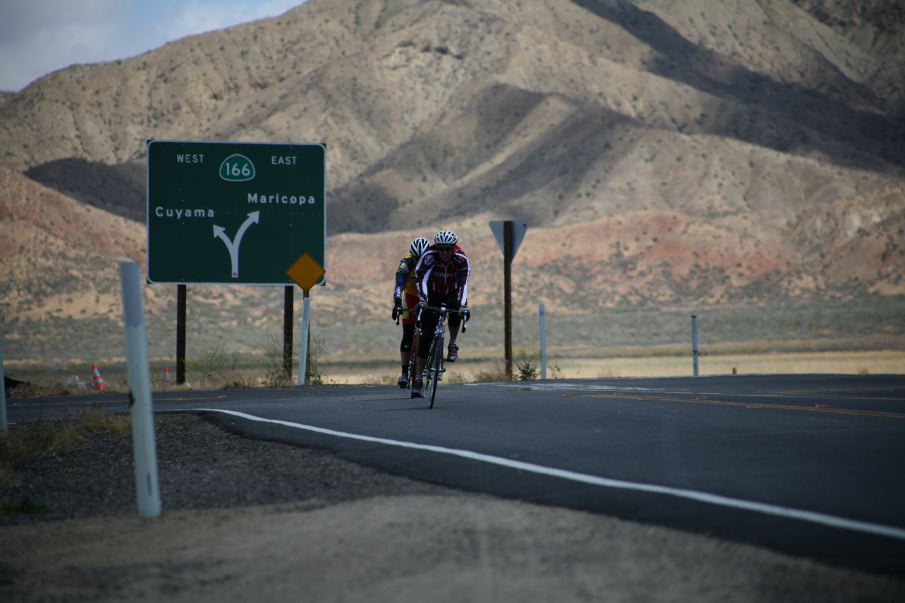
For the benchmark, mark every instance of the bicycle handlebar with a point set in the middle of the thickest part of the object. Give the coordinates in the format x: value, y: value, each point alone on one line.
x: 465, y: 312
x: 444, y: 309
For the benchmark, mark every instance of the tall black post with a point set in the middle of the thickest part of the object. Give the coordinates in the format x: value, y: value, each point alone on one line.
x: 180, y: 333
x: 508, y: 239
x: 288, y: 302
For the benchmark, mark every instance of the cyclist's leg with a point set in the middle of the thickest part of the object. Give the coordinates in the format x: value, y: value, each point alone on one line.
x: 437, y: 368
x: 413, y: 355
x: 409, y: 301
x: 417, y: 380
x: 405, y: 352
x: 437, y: 355
x: 455, y: 321
x: 428, y: 324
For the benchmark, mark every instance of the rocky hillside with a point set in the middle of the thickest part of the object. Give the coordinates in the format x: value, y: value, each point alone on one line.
x: 495, y: 105
x: 59, y: 287
x: 727, y: 152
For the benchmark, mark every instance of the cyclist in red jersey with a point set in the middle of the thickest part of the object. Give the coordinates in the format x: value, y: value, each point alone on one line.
x: 441, y: 278
x: 405, y: 297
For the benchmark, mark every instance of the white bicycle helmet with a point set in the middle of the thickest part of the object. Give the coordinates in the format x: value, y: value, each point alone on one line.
x: 419, y: 246
x: 446, y: 237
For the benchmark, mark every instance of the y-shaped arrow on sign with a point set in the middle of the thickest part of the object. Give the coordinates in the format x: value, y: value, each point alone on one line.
x: 233, y: 246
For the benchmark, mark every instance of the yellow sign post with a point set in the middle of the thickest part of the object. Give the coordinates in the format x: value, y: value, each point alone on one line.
x: 306, y: 272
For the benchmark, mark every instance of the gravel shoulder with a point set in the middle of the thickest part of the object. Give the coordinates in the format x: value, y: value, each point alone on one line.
x: 252, y: 520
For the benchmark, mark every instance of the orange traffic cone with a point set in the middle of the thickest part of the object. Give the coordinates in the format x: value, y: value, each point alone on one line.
x: 166, y: 376
x: 99, y: 382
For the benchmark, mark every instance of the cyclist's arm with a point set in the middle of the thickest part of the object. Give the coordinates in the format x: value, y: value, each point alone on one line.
x: 423, y: 273
x: 462, y: 275
x: 402, y: 275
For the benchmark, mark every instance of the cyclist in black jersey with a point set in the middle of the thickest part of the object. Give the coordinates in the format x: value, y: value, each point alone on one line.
x: 441, y: 277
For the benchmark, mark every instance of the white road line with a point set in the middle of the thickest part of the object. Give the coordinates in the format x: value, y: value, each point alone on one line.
x: 714, y: 499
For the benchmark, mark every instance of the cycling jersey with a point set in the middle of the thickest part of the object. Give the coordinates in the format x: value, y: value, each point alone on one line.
x: 405, y: 288
x: 405, y: 276
x: 436, y: 278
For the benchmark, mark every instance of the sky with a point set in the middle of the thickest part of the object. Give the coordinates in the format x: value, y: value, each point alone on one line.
x: 41, y: 36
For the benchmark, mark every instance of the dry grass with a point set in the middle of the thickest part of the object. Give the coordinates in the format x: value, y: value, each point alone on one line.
x: 214, y: 368
x: 42, y: 439
x: 656, y: 365
x: 224, y: 373
x: 381, y: 379
x: 41, y: 389
x: 851, y: 362
x: 49, y: 438
x: 496, y: 371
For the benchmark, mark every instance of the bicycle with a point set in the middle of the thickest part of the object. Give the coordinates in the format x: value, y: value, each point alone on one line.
x: 416, y: 338
x: 434, y: 364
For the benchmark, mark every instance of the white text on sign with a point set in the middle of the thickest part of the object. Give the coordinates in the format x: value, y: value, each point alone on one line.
x: 277, y: 199
x: 282, y: 160
x: 189, y: 157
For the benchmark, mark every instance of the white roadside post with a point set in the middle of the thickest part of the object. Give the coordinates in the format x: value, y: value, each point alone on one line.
x: 4, y: 427
x: 303, y: 339
x: 146, y: 484
x: 542, y: 319
x: 694, y: 342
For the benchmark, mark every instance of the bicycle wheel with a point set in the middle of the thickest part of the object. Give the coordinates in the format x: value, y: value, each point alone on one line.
x: 436, y: 365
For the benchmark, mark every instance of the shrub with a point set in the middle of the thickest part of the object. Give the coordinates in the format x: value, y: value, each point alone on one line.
x: 274, y: 374
x: 217, y: 368
x: 527, y: 363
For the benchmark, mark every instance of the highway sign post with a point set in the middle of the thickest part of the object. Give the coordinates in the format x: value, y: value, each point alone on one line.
x: 509, y: 235
x: 233, y: 213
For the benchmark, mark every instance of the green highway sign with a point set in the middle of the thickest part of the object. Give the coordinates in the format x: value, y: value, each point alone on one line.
x: 233, y: 212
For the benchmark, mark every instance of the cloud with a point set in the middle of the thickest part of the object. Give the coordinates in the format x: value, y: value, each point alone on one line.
x: 39, y: 36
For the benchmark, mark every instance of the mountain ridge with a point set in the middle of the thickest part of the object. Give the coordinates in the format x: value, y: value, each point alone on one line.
x: 663, y: 153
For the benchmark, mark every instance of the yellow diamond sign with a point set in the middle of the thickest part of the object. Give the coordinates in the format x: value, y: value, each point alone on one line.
x: 306, y: 272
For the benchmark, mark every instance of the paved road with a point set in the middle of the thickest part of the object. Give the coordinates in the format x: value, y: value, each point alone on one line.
x: 812, y: 465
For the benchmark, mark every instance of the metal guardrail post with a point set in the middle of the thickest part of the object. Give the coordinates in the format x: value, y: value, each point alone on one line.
x: 4, y: 427
x: 694, y: 342
x: 304, y: 340
x: 542, y: 319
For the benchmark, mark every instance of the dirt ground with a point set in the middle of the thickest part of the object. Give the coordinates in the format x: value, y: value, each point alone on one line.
x: 413, y: 548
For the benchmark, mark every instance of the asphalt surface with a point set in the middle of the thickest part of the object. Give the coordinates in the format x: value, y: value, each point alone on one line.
x: 812, y: 465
